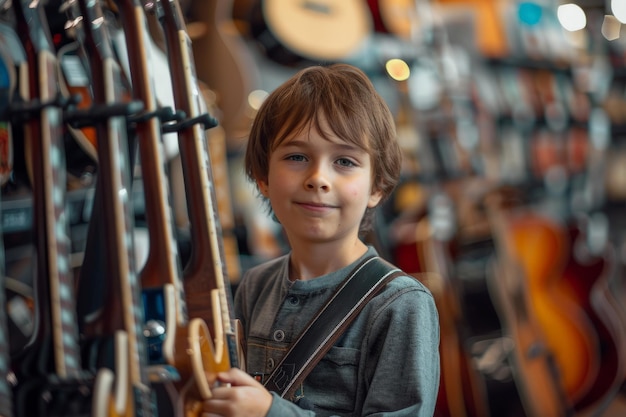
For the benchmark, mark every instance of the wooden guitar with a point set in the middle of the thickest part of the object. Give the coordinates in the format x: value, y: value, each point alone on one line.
x: 162, y: 266
x: 293, y: 33
x: 535, y: 371
x: 161, y: 276
x: 586, y: 278
x: 50, y: 363
x: 206, y: 284
x: 540, y: 245
x: 115, y: 330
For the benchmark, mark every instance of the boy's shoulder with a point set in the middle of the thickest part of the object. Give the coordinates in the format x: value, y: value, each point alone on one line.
x: 259, y: 274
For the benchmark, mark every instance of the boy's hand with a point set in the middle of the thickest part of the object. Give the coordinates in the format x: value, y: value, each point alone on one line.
x: 239, y: 396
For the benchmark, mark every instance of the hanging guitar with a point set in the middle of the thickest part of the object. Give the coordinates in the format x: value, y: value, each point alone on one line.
x: 161, y: 276
x: 50, y: 377
x: 113, y: 332
x: 162, y: 267
x: 205, y: 276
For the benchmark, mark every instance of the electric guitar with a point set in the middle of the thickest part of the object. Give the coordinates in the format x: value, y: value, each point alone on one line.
x: 205, y: 275
x: 161, y: 275
x: 50, y: 377
x: 114, y: 341
x: 162, y: 267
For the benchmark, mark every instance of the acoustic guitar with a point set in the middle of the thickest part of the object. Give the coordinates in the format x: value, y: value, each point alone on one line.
x: 587, y: 276
x: 534, y: 368
x: 205, y: 278
x: 296, y: 33
x: 540, y: 245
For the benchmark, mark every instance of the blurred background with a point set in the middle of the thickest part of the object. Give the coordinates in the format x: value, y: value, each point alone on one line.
x: 512, y: 118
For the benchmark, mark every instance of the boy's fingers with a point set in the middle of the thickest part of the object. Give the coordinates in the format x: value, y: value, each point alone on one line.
x: 236, y: 377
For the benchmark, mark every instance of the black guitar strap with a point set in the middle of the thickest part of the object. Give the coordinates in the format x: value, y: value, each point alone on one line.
x: 365, y: 280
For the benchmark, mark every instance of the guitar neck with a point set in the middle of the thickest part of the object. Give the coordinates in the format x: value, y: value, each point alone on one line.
x: 162, y: 265
x: 121, y: 310
x: 44, y: 145
x: 206, y: 231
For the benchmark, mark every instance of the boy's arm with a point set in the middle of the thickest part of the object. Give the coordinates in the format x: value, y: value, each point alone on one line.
x: 404, y: 367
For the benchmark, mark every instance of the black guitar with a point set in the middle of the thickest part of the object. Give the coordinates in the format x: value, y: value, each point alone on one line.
x: 117, y: 346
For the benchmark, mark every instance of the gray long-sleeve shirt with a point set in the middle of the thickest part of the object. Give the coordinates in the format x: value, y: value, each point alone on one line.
x: 385, y: 364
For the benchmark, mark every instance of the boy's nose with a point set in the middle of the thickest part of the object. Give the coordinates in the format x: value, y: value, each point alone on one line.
x: 317, y: 179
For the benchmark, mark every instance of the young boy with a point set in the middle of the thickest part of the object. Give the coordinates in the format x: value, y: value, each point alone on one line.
x: 323, y: 153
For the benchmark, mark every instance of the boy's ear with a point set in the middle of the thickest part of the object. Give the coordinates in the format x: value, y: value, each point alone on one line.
x: 374, y: 199
x: 262, y: 186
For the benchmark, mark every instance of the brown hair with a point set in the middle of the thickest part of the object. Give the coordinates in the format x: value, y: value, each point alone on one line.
x: 353, y: 109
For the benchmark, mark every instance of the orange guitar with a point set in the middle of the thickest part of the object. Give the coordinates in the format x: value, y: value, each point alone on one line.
x: 540, y: 245
x: 534, y: 368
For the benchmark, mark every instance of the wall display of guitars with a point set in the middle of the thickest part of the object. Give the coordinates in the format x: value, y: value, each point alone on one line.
x: 516, y: 222
x: 82, y: 146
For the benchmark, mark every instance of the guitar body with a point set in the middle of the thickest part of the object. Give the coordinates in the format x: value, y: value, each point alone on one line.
x: 534, y: 367
x: 586, y: 282
x: 296, y: 33
x: 541, y: 246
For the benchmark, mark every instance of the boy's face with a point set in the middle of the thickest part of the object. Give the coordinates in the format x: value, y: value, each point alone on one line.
x: 319, y: 188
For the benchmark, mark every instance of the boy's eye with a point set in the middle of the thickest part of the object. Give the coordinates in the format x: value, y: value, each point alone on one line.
x: 345, y: 162
x: 295, y: 157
